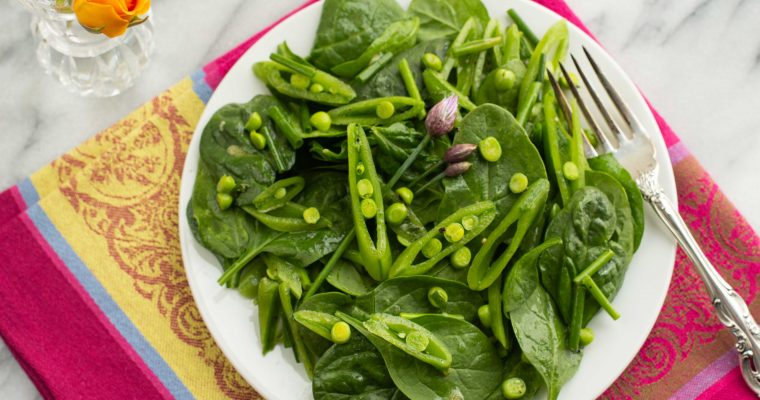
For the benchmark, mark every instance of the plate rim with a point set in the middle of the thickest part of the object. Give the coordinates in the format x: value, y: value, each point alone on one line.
x: 666, y: 177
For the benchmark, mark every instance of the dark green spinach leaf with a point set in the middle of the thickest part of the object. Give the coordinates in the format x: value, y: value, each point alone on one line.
x: 444, y: 18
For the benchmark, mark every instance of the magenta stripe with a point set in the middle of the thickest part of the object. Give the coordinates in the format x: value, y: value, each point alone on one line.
x: 702, y: 381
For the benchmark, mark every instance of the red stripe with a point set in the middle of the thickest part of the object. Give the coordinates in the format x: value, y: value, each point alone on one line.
x: 56, y: 332
x: 730, y: 386
x: 11, y: 203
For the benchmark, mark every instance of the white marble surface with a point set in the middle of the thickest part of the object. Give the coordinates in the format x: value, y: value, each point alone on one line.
x: 698, y: 61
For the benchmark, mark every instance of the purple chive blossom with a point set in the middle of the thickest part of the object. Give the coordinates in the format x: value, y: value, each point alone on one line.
x: 441, y: 118
x: 459, y: 152
x: 457, y: 169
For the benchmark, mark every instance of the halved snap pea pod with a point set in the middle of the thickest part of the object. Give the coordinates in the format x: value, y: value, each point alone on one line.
x: 384, y: 110
x: 417, y: 341
x: 484, y: 270
x: 336, y: 91
x: 288, y: 218
x: 278, y: 194
x: 375, y: 249
x: 485, y: 211
x: 318, y: 322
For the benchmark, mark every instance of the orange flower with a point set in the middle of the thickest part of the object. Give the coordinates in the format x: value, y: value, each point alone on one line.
x: 110, y: 17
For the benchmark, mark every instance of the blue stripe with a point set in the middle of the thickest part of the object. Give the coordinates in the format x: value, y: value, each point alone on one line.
x: 201, y: 88
x: 28, y: 192
x: 109, y: 307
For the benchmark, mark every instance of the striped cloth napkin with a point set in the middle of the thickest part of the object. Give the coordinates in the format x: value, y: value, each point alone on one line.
x: 95, y: 303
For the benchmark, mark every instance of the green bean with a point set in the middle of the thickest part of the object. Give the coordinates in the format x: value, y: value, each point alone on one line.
x: 276, y: 156
x: 476, y: 46
x: 467, y: 28
x: 595, y: 266
x: 551, y: 146
x: 576, y: 318
x: 599, y: 296
x: 410, y: 83
x: 292, y: 132
x: 529, y: 35
x: 373, y: 67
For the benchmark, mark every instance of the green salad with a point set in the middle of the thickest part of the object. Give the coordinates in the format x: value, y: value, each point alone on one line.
x: 411, y: 210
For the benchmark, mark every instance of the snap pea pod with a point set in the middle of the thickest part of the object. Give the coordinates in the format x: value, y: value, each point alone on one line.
x: 290, y: 220
x: 577, y: 155
x: 388, y: 327
x: 554, y: 46
x: 439, y: 88
x: 372, y: 68
x: 485, y: 211
x: 318, y: 322
x: 551, y: 147
x: 376, y: 254
x: 366, y: 112
x: 268, y: 301
x: 278, y: 193
x: 520, y: 23
x: 523, y: 110
x: 511, y: 44
x: 497, y: 316
x: 290, y: 130
x: 410, y: 83
x: 491, y: 33
x: 299, y: 348
x: 336, y: 92
x: 279, y: 163
x: 484, y: 271
x: 476, y: 46
x: 464, y: 33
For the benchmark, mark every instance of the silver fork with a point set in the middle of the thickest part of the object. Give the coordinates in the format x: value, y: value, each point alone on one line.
x: 637, y: 154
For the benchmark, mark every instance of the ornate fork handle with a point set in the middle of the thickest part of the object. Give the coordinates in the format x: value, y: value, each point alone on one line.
x: 731, y: 309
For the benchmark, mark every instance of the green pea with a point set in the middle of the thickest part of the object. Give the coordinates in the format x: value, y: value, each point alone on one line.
x: 224, y: 200
x: 321, y: 120
x: 396, y: 213
x: 280, y: 193
x: 454, y: 232
x: 385, y: 109
x: 340, y: 332
x: 226, y: 184
x: 365, y: 188
x: 570, y: 171
x: 369, y: 208
x: 417, y: 340
x: 484, y: 314
x: 504, y: 79
x: 513, y: 388
x: 437, y: 297
x: 431, y: 248
x: 406, y: 194
x: 258, y: 140
x: 300, y: 81
x: 470, y: 222
x: 317, y: 88
x: 360, y: 169
x: 518, y: 183
x: 432, y: 61
x: 490, y: 149
x: 311, y: 215
x: 461, y: 258
x: 254, y: 122
x: 587, y: 336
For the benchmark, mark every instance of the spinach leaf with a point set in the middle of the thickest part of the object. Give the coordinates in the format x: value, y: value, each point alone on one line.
x: 444, y: 18
x: 522, y: 279
x: 348, y: 27
x: 354, y: 370
x: 227, y: 150
x: 542, y: 338
x: 226, y: 233
x: 346, y: 278
x: 490, y: 180
x: 409, y: 294
x: 388, y: 82
x: 487, y: 92
x: 475, y: 371
x: 609, y: 164
x: 398, y: 36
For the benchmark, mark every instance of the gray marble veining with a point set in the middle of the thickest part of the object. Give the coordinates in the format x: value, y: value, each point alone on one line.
x: 698, y: 62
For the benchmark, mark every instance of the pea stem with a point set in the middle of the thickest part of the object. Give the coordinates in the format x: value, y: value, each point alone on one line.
x: 529, y: 35
x: 430, y: 183
x: 595, y: 266
x: 427, y: 172
x: 411, y: 84
x: 407, y: 163
x: 285, y: 126
x: 336, y: 255
x: 375, y: 66
x: 476, y: 46
x: 273, y: 150
x: 600, y: 298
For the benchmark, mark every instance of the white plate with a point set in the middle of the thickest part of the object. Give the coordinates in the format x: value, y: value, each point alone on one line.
x: 233, y: 321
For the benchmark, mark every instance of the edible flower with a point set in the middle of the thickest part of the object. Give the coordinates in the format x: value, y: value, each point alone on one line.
x: 441, y: 118
x: 110, y: 17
